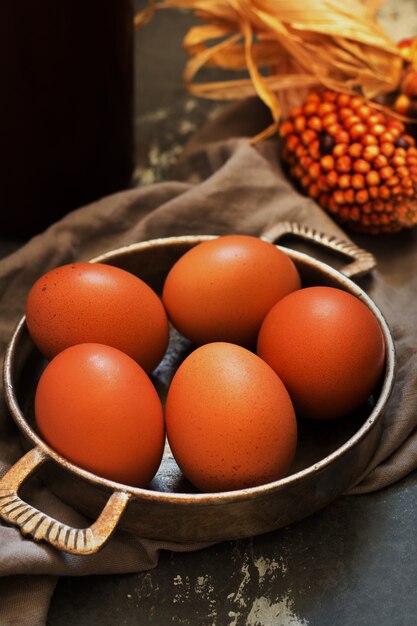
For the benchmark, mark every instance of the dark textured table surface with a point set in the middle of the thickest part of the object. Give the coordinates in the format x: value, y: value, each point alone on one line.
x: 352, y: 564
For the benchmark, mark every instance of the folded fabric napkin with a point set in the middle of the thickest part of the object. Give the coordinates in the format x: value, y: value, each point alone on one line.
x: 226, y: 186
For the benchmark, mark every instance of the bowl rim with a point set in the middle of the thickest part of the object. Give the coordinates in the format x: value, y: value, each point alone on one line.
x: 218, y: 496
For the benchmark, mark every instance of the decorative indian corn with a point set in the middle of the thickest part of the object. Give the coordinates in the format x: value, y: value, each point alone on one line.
x: 353, y: 157
x: 354, y: 160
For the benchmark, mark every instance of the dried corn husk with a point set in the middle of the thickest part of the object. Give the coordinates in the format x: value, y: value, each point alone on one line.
x: 287, y: 46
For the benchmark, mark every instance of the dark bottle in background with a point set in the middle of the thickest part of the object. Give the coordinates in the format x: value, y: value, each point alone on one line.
x: 66, y: 107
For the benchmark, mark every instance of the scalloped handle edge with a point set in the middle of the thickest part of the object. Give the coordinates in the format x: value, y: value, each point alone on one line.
x: 42, y: 527
x: 363, y: 261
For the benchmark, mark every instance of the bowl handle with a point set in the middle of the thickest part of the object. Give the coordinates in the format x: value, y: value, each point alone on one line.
x: 363, y: 261
x: 42, y: 527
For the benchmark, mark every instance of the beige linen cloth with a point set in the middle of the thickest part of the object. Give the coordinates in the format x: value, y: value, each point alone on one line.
x: 224, y: 186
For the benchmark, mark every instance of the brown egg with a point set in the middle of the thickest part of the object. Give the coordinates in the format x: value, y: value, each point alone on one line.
x: 327, y: 347
x: 97, y: 303
x: 221, y: 289
x: 229, y: 419
x: 97, y: 407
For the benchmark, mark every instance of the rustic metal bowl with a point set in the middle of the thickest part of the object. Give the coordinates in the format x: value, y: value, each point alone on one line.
x: 331, y: 455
